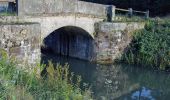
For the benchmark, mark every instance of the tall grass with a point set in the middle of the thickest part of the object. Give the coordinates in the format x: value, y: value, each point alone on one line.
x: 16, y: 84
x: 151, y: 46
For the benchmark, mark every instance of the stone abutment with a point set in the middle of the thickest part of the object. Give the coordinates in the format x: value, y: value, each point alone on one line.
x: 93, y: 41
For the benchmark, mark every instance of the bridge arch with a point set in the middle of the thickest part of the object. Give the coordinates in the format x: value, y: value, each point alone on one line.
x: 71, y: 41
x: 49, y: 24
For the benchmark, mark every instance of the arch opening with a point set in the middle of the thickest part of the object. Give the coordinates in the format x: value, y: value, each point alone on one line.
x: 69, y: 41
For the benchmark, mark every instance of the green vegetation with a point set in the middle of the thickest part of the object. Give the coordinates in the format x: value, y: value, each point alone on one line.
x: 123, y: 18
x: 7, y: 14
x: 58, y: 84
x: 151, y: 46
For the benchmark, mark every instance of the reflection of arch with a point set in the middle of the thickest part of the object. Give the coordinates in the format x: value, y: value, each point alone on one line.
x: 70, y: 41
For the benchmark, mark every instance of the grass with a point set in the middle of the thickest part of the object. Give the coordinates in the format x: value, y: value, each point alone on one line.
x: 8, y: 14
x: 58, y: 84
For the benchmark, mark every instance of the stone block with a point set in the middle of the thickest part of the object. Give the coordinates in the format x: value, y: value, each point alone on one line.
x: 53, y: 6
x: 30, y: 7
x: 91, y: 9
x: 14, y: 51
x: 69, y: 6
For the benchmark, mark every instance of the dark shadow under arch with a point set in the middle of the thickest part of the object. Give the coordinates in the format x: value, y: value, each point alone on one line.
x: 69, y: 41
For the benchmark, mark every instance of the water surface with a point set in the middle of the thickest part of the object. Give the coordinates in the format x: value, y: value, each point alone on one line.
x: 120, y: 81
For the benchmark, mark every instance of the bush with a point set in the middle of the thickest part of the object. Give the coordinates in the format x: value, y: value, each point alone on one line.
x: 151, y: 46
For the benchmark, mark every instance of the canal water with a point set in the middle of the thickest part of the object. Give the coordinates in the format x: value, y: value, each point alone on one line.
x: 119, y: 81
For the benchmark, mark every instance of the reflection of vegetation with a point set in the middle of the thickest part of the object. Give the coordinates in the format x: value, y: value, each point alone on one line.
x: 156, y: 82
x: 151, y: 79
x: 119, y: 81
x: 111, y: 82
x: 151, y: 46
x: 19, y: 85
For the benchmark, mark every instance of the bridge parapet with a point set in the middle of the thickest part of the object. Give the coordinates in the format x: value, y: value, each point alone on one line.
x: 55, y: 7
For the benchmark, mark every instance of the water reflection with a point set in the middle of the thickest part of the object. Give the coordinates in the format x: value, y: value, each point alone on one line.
x: 118, y: 82
x: 144, y: 93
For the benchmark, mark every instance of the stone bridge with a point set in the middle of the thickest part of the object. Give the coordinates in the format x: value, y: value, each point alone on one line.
x: 68, y: 27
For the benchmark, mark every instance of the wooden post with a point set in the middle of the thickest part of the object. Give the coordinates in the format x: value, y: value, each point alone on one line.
x: 147, y: 14
x: 130, y: 13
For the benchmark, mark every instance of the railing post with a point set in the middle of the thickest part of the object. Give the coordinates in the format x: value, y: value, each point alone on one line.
x: 130, y: 12
x: 147, y: 14
x: 109, y: 13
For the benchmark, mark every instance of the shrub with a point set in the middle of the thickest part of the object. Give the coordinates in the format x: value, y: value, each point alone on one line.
x: 151, y: 46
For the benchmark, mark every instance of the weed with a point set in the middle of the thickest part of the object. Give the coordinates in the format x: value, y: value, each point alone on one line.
x: 17, y: 84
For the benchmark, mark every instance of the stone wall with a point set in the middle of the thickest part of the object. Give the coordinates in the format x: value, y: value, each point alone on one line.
x: 21, y: 41
x: 112, y: 39
x: 52, y: 23
x: 54, y: 7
